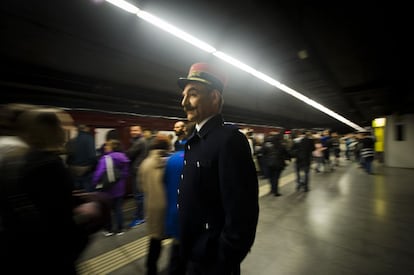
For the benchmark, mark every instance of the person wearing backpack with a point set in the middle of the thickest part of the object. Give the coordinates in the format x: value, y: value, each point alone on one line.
x: 117, y: 191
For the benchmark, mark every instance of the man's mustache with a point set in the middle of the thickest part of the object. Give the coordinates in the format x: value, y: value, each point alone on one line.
x: 189, y: 108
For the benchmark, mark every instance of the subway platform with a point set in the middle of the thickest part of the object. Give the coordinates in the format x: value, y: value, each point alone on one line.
x: 348, y: 223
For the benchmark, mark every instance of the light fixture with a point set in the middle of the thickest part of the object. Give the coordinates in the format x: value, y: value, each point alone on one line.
x: 231, y: 60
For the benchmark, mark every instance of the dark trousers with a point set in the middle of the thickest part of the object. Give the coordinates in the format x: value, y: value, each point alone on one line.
x: 211, y: 269
x: 153, y: 255
x: 274, y: 175
x: 139, y: 199
x: 117, y: 214
x: 177, y: 263
x: 83, y: 182
x: 302, y: 176
x: 367, y: 164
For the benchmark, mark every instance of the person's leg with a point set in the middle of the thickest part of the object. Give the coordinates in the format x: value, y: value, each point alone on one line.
x: 318, y: 164
x: 108, y: 226
x: 138, y: 217
x: 298, y: 179
x: 153, y: 255
x: 140, y: 204
x: 368, y: 165
x: 271, y: 176
x: 176, y: 263
x: 306, y: 178
x: 276, y: 182
x: 119, y: 214
x: 87, y: 182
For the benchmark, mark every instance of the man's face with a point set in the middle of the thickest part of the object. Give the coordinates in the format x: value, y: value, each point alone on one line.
x: 135, y: 131
x: 198, y: 102
x: 179, y: 128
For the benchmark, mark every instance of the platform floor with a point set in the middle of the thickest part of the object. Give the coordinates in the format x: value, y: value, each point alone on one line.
x: 348, y: 223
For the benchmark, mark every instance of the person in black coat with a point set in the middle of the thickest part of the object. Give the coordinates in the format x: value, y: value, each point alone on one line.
x: 275, y: 155
x: 81, y: 158
x: 302, y: 149
x: 44, y: 231
x: 218, y: 195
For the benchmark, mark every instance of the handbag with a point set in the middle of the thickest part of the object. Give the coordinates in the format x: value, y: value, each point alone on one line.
x: 111, y: 177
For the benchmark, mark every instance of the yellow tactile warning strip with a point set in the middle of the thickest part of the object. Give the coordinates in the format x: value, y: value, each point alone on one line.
x: 265, y: 188
x: 123, y: 255
x: 114, y: 259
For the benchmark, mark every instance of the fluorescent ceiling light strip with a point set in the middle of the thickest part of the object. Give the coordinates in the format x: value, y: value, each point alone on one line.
x: 246, y: 68
x: 231, y: 60
x: 126, y: 6
x: 318, y: 106
x: 286, y: 89
x: 175, y: 31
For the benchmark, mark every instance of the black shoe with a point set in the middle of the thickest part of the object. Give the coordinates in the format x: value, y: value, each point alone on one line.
x: 277, y: 194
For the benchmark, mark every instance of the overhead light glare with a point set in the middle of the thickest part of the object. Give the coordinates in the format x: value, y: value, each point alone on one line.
x: 175, y: 31
x: 242, y: 66
x: 231, y: 60
x: 126, y: 6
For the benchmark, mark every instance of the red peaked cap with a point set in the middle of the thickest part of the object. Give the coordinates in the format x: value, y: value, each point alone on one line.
x: 204, y: 73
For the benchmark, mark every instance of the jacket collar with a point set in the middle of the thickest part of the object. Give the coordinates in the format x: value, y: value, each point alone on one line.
x: 212, y: 123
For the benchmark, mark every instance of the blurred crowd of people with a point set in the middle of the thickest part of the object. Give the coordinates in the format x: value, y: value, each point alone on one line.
x: 320, y: 151
x: 48, y: 187
x: 200, y: 190
x: 41, y: 170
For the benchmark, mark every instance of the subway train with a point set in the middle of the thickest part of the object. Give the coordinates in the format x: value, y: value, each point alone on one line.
x: 101, y: 122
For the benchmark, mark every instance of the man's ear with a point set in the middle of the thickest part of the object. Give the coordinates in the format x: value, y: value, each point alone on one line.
x: 215, y: 94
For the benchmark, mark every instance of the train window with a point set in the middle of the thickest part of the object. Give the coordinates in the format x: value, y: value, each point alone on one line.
x: 399, y: 132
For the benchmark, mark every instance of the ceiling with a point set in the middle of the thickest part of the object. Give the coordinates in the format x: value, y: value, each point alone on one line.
x: 89, y: 54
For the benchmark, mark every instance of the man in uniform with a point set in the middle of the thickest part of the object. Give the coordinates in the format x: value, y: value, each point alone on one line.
x: 218, y: 195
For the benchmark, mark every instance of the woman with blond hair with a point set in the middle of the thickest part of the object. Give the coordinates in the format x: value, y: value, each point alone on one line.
x: 151, y: 177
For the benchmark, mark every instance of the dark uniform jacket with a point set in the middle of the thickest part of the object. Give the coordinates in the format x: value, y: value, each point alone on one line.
x: 218, y: 198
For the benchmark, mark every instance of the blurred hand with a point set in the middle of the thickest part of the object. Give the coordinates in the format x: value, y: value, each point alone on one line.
x: 86, y: 212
